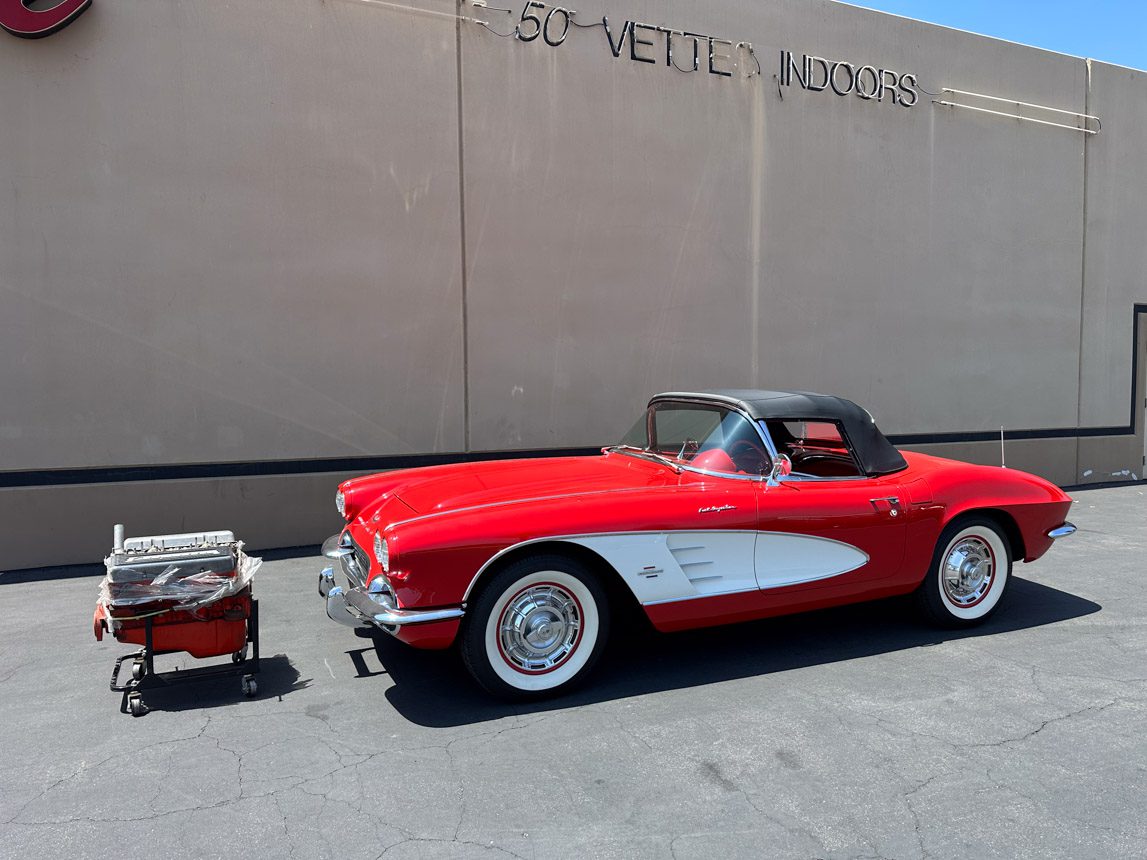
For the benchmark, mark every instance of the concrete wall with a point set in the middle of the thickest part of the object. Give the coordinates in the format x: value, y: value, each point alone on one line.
x: 230, y: 234
x: 293, y: 230
x: 1115, y: 274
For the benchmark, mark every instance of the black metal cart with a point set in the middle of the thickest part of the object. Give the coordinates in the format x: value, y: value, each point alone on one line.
x: 144, y: 676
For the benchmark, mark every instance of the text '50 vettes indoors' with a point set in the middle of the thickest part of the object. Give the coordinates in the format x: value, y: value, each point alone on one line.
x: 717, y: 507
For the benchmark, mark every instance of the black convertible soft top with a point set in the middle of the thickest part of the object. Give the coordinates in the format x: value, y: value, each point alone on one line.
x: 876, y: 454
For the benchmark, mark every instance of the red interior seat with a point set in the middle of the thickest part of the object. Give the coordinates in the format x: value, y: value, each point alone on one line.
x: 715, y: 460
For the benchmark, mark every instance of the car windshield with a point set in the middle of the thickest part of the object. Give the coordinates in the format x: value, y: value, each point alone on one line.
x: 699, y: 437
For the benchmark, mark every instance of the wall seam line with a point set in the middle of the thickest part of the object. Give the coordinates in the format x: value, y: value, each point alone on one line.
x: 462, y: 234
x: 1083, y: 272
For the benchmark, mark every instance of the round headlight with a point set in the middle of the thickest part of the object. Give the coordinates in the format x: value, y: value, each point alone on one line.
x: 381, y: 551
x: 340, y: 504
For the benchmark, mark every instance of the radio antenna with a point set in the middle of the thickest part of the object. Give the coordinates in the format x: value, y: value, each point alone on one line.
x: 1003, y: 461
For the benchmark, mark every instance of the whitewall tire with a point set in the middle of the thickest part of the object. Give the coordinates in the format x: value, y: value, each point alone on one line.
x: 535, y: 628
x: 969, y: 574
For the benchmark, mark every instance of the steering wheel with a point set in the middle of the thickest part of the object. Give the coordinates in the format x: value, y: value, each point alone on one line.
x: 748, y: 456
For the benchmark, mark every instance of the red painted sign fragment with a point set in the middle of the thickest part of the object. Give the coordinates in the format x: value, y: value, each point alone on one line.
x: 19, y: 20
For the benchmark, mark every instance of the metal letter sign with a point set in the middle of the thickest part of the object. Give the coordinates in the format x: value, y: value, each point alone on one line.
x: 870, y: 83
x: 19, y: 20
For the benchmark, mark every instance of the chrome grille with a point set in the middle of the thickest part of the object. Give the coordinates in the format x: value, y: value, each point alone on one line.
x: 363, y: 562
x: 356, y: 565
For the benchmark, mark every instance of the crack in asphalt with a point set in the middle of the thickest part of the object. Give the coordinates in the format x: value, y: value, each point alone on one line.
x: 907, y: 798
x: 354, y: 761
x: 902, y: 729
x: 713, y: 772
x: 84, y: 768
x: 626, y: 730
x: 432, y: 841
x: 346, y: 761
x: 1098, y: 709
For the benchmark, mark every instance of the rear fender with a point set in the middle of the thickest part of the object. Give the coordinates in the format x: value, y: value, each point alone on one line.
x: 1025, y: 506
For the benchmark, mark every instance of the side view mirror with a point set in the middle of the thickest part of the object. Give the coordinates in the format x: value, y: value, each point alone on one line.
x: 782, y: 466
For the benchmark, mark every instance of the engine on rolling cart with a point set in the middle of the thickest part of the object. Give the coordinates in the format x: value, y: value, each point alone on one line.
x: 179, y: 593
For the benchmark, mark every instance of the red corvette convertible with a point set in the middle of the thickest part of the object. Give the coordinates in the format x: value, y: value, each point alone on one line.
x: 717, y: 507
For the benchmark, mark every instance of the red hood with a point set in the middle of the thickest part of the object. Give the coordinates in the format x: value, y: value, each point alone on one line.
x: 444, y: 488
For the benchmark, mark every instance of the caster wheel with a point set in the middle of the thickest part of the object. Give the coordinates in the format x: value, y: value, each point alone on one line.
x: 240, y: 655
x: 250, y: 688
x: 135, y: 706
x: 138, y: 670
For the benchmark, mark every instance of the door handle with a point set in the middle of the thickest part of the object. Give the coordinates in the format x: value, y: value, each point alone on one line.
x: 887, y: 504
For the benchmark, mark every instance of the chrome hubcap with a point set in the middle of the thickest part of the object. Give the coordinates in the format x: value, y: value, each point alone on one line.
x: 540, y: 627
x: 968, y: 571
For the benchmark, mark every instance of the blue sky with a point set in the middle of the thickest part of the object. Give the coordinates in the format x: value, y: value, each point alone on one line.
x: 1114, y: 31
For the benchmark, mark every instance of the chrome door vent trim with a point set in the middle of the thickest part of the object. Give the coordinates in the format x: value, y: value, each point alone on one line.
x: 681, y: 555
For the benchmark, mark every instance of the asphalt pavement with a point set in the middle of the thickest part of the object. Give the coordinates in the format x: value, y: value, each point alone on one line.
x: 850, y: 733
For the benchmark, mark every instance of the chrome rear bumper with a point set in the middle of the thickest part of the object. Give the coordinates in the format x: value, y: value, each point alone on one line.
x: 1061, y: 531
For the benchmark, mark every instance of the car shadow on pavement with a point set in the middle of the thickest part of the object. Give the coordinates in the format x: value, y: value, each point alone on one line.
x: 276, y: 678
x: 432, y: 688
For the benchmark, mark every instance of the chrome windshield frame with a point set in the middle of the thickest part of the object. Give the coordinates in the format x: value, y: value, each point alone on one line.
x: 761, y: 430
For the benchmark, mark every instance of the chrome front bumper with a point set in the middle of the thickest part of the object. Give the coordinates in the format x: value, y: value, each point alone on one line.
x: 1061, y: 531
x: 335, y: 596
x: 357, y: 607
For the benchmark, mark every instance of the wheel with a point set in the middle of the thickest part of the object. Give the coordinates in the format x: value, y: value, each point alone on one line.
x: 138, y: 670
x: 536, y: 628
x: 250, y: 687
x: 969, y: 573
x: 135, y: 705
x: 240, y: 655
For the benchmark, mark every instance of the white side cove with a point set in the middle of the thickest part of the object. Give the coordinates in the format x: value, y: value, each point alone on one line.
x: 788, y: 559
x: 664, y: 566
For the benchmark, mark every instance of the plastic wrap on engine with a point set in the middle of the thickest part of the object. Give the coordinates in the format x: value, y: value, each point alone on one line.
x: 180, y: 581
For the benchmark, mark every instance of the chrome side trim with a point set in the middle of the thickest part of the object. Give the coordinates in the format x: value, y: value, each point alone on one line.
x: 1061, y: 531
x: 698, y: 597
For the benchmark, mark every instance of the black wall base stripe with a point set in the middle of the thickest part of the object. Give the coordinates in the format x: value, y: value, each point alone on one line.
x: 257, y: 468
x: 1009, y: 435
